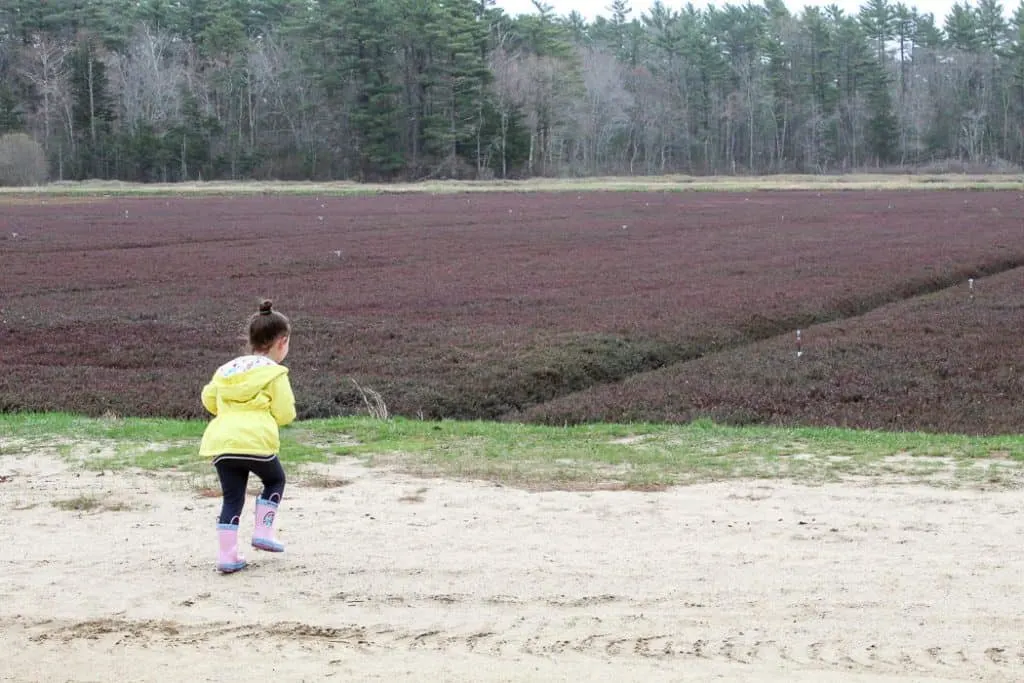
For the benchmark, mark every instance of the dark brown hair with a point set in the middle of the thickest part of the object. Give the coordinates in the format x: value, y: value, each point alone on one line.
x: 267, y: 326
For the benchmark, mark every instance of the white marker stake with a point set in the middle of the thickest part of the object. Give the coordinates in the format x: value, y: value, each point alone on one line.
x: 799, y: 345
x: 970, y: 286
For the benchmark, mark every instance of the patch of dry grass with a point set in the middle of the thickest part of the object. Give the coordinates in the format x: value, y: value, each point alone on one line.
x: 90, y: 503
x: 416, y: 497
x: 323, y: 481
x: 864, y: 181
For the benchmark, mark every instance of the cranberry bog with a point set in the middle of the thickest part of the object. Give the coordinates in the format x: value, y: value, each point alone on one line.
x: 555, y: 307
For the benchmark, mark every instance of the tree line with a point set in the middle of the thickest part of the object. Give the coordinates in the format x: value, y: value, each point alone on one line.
x: 380, y: 90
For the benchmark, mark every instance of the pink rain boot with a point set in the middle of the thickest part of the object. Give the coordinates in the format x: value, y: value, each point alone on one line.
x: 228, y: 560
x: 263, y: 534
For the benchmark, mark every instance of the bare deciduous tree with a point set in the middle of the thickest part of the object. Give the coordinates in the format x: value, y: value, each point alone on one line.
x: 43, y: 64
x: 603, y: 113
x: 147, y: 78
x: 284, y: 105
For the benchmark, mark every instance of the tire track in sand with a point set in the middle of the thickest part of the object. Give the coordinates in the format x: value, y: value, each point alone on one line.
x: 548, y: 638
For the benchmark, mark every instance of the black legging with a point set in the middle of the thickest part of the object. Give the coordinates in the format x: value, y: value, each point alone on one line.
x: 234, y: 470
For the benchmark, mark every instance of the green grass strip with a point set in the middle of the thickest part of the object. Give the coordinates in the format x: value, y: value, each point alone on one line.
x: 636, y: 456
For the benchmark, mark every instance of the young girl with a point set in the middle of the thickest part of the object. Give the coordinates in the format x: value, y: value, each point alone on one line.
x: 250, y: 397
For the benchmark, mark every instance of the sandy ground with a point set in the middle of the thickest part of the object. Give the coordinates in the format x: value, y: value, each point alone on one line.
x: 395, y: 578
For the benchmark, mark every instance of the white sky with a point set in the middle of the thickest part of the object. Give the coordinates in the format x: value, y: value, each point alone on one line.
x: 593, y: 8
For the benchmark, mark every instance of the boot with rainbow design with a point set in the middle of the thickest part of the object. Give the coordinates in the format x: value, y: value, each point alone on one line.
x: 263, y: 534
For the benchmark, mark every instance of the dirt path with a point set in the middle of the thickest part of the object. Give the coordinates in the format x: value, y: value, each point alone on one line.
x: 393, y: 578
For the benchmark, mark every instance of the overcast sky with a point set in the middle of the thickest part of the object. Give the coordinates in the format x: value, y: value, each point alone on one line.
x: 592, y: 8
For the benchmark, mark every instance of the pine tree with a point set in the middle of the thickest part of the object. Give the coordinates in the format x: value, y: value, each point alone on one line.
x: 366, y: 51
x: 11, y: 120
x: 621, y: 33
x: 1016, y: 80
x: 463, y: 76
x: 779, y: 74
x: 1016, y: 47
x: 926, y: 33
x: 882, y: 127
x: 542, y: 35
x: 904, y: 30
x: 992, y: 31
x: 577, y: 28
x: 700, y: 49
x: 819, y: 89
x: 878, y: 18
x: 222, y: 35
x: 109, y: 21
x: 161, y: 16
x: 266, y: 17
x: 962, y: 28
x: 91, y: 109
x: 188, y: 143
x: 24, y: 19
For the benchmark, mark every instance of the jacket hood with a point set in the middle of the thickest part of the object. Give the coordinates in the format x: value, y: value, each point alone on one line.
x: 244, y: 379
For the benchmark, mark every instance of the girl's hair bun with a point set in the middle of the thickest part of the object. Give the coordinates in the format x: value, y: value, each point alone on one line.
x: 266, y: 326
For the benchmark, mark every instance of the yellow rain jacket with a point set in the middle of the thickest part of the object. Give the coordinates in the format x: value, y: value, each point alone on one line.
x: 250, y: 398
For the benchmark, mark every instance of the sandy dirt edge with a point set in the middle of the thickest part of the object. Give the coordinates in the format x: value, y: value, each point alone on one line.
x: 397, y: 578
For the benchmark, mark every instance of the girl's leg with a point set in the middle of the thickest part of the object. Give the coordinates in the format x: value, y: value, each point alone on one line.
x: 234, y: 476
x: 233, y: 479
x: 271, y: 473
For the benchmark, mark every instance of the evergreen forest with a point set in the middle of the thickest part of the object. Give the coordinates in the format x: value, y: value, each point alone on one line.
x: 390, y: 90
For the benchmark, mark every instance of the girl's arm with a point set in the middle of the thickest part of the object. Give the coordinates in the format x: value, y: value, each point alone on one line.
x: 282, y: 400
x: 210, y: 398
